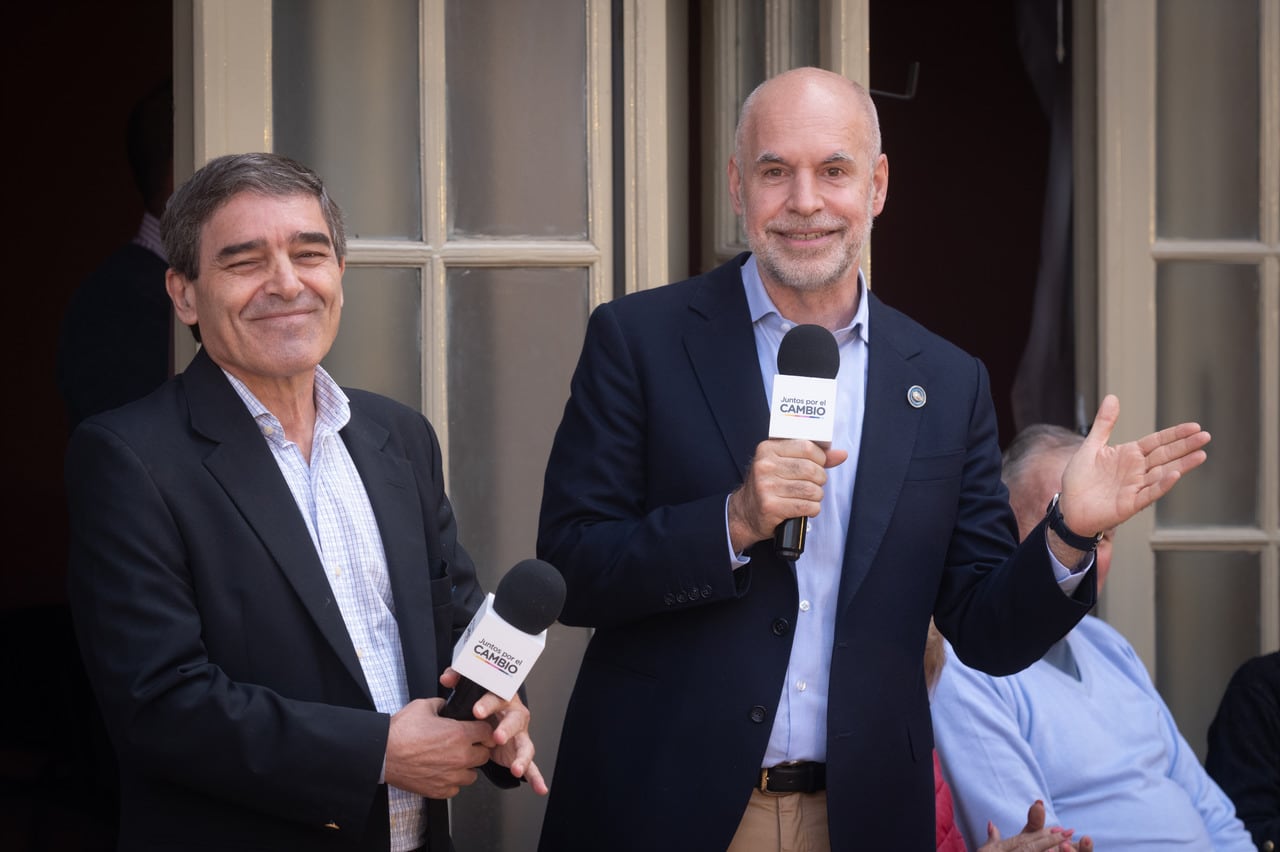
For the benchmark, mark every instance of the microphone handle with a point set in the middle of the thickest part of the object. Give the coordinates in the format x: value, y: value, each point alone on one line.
x: 464, y: 697
x: 788, y: 538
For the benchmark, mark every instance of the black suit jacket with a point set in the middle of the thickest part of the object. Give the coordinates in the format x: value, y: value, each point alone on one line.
x: 230, y: 687
x: 113, y: 346
x: 671, y: 713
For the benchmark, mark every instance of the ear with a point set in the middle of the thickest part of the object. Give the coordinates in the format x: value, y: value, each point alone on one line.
x: 880, y: 180
x: 735, y: 185
x: 182, y: 294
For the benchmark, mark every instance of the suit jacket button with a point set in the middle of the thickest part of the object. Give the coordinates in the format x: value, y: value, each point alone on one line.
x: 693, y: 593
x: 681, y: 598
x: 668, y: 599
x: 706, y: 591
x: 758, y: 713
x: 781, y: 626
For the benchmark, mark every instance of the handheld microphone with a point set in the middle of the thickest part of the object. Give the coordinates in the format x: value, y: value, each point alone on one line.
x: 803, y: 406
x: 505, y: 636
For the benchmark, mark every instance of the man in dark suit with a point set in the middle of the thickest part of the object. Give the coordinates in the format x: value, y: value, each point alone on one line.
x: 265, y: 573
x: 730, y: 698
x: 113, y: 346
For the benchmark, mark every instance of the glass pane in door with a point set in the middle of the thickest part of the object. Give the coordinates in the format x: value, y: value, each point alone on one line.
x: 1206, y: 625
x: 1207, y: 118
x: 345, y: 101
x: 379, y: 344
x: 517, y: 106
x: 514, y: 337
x: 1208, y: 361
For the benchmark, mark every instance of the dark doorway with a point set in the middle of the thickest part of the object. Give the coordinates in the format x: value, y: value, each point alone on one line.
x: 73, y: 70
x: 958, y: 245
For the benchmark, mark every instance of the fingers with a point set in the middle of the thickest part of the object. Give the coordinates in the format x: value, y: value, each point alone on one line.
x: 1174, y: 440
x: 1103, y: 422
x: 785, y: 480
x: 1035, y: 817
x: 508, y: 718
x: 534, y: 776
x: 1181, y: 454
x: 510, y: 724
x: 446, y: 786
x: 449, y: 678
x: 431, y: 755
x: 1086, y: 844
x: 517, y: 755
x: 1167, y: 462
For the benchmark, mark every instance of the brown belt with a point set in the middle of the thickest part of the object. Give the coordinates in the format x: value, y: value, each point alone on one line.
x: 802, y: 776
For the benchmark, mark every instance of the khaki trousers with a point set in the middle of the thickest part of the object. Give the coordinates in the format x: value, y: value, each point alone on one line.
x: 794, y: 822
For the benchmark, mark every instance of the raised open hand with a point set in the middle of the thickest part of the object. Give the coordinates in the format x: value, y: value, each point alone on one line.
x: 1103, y: 486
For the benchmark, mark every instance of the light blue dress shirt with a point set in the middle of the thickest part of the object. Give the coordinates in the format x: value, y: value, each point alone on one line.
x: 800, y: 726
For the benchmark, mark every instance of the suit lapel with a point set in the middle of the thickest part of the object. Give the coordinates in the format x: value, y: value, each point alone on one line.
x: 722, y: 349
x: 242, y: 463
x: 389, y: 481
x: 888, y: 436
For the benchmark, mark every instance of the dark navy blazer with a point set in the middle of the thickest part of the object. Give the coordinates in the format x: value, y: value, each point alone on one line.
x: 671, y: 713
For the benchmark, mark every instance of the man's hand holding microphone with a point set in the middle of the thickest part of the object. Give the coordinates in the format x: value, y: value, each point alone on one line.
x: 435, y: 746
x: 784, y: 485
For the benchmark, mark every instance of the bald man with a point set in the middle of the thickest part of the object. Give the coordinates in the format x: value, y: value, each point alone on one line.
x: 732, y: 698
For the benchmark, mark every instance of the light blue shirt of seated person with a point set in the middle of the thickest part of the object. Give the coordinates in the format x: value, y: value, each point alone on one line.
x: 1100, y: 749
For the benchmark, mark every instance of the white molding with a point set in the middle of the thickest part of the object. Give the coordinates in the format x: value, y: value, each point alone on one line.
x: 599, y: 149
x: 232, y: 41
x: 645, y: 145
x: 1269, y: 126
x: 1126, y: 290
x: 435, y: 221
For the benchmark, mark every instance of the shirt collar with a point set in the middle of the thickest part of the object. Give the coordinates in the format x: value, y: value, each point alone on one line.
x: 333, y: 409
x: 764, y: 310
x: 148, y: 236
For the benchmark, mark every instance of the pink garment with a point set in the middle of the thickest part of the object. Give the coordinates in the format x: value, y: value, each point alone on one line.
x: 948, y: 833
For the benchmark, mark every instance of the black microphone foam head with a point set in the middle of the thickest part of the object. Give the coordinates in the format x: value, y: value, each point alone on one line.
x: 809, y: 350
x: 530, y: 596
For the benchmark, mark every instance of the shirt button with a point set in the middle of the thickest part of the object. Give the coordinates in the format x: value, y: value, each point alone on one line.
x: 268, y: 431
x: 804, y: 606
x: 801, y: 686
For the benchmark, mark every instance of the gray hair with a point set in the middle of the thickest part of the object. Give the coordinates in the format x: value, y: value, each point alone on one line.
x: 1033, y: 441
x: 220, y: 180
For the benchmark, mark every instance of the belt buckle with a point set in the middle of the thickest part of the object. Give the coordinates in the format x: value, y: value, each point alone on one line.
x: 764, y: 780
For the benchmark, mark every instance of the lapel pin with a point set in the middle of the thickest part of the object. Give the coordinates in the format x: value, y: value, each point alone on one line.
x: 916, y: 396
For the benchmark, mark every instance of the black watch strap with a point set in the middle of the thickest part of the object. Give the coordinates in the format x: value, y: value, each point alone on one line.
x: 1062, y: 531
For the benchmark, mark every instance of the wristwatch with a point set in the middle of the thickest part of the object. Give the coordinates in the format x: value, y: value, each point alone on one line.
x: 1062, y: 531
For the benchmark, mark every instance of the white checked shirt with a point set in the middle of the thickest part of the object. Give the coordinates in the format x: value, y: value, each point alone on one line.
x: 332, y: 499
